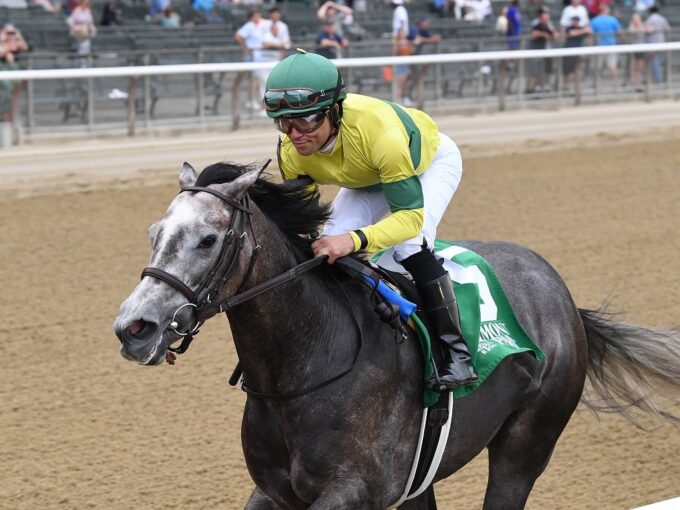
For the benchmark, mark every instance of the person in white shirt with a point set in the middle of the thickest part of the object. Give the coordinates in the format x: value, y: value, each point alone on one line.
x: 250, y: 38
x: 283, y: 35
x: 477, y: 10
x: 575, y: 9
x: 275, y: 41
x: 399, y: 18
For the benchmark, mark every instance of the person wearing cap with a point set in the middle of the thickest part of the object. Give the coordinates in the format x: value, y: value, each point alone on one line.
x: 397, y: 174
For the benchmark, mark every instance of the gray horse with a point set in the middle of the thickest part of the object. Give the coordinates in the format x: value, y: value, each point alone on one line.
x: 333, y: 413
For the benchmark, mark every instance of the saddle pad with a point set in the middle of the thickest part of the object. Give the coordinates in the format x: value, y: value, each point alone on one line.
x: 488, y: 323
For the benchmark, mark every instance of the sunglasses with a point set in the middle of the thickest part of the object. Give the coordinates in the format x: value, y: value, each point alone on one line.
x: 299, y: 98
x: 303, y: 124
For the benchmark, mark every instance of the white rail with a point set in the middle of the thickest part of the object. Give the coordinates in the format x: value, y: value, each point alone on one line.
x: 443, y: 58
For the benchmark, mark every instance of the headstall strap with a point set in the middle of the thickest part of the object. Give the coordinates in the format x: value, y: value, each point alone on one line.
x: 229, y: 200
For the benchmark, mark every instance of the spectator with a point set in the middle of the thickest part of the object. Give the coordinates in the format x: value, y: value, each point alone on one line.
x: 656, y: 28
x: 636, y: 30
x: 594, y: 7
x: 502, y: 21
x: 575, y: 34
x: 477, y: 10
x: 170, y: 19
x: 642, y: 6
x: 68, y: 6
x: 46, y: 5
x: 421, y: 34
x: 11, y: 42
x: 437, y: 7
x: 282, y: 33
x: 542, y: 33
x: 606, y: 27
x: 82, y: 29
x: 328, y: 43
x: 275, y: 41
x: 250, y: 38
x: 399, y: 19
x: 402, y: 74
x: 573, y: 9
x: 341, y: 15
x: 109, y: 15
x: 156, y: 8
x: 514, y: 25
x: 205, y: 9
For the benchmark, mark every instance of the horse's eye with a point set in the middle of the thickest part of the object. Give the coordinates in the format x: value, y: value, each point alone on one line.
x: 207, y: 242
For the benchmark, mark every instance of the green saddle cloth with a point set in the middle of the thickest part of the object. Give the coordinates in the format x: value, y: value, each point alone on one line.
x: 488, y: 323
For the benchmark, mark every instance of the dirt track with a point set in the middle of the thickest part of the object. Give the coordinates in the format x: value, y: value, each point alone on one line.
x: 83, y: 428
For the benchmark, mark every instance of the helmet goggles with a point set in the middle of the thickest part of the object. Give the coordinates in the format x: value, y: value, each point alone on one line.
x: 303, y: 124
x: 299, y: 98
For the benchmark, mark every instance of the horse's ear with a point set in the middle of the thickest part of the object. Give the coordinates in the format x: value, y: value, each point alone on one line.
x: 187, y: 176
x: 239, y: 186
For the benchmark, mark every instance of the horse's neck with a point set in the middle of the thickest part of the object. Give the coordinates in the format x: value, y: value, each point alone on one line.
x: 282, y: 334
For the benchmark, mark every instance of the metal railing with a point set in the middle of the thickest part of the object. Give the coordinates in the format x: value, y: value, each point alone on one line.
x: 133, y: 98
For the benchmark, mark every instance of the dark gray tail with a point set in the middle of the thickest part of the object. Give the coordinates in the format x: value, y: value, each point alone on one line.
x: 630, y: 365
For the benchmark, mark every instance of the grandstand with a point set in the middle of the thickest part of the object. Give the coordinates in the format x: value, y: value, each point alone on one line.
x: 96, y: 104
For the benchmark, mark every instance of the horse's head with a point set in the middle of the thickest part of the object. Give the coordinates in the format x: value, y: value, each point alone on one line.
x: 190, y: 245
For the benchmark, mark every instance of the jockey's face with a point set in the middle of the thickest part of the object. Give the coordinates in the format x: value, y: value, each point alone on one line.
x: 309, y: 143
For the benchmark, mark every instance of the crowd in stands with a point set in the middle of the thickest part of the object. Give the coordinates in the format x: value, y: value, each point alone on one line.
x: 584, y: 22
x: 263, y: 39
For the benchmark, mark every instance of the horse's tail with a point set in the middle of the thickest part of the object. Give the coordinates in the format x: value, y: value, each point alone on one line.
x: 628, y: 365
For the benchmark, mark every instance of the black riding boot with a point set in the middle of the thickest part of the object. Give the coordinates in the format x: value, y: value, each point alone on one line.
x: 439, y: 304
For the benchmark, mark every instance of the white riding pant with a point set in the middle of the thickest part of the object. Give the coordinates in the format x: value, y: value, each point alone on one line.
x: 354, y: 209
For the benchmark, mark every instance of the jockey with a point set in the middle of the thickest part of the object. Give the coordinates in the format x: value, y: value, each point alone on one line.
x: 397, y: 175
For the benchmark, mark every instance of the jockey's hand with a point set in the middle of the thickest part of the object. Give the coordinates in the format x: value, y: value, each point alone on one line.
x: 333, y: 246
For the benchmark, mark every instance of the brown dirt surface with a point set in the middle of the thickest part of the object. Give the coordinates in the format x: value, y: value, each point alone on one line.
x: 83, y: 428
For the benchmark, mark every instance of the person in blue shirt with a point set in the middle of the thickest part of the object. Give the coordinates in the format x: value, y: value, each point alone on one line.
x: 514, y: 25
x: 329, y: 43
x: 606, y: 27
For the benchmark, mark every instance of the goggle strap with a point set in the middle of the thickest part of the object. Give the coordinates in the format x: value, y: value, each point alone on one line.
x: 338, y: 87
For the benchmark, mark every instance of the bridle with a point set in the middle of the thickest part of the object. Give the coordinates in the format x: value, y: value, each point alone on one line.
x: 202, y: 299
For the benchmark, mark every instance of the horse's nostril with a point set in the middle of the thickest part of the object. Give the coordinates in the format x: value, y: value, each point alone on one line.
x: 136, y: 327
x: 140, y: 330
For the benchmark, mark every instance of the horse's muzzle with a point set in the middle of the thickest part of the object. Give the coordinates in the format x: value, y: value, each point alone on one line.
x: 140, y: 341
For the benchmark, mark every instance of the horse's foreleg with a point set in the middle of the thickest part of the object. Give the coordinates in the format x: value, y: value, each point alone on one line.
x: 260, y: 501
x: 345, y: 494
x: 426, y: 501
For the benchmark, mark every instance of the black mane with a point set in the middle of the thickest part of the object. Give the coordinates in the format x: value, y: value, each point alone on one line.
x: 292, y: 206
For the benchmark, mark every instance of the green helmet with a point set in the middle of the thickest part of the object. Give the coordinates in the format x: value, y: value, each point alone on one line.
x: 303, y: 83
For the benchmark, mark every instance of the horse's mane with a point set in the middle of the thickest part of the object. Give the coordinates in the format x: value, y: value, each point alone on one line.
x: 292, y: 206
